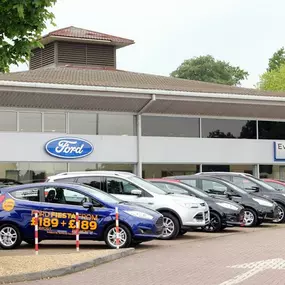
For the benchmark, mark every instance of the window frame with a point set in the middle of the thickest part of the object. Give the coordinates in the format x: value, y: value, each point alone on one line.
x: 90, y: 199
x: 27, y: 188
x: 144, y: 193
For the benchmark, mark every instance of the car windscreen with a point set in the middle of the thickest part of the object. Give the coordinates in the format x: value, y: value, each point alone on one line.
x: 146, y: 185
x: 235, y: 187
x: 104, y: 197
x: 262, y: 184
x: 195, y: 190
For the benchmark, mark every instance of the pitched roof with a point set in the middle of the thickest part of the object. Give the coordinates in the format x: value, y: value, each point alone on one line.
x: 124, y: 79
x: 78, y: 33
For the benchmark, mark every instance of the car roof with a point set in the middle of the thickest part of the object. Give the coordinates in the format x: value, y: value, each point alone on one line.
x: 223, y: 173
x: 163, y: 180
x: 42, y: 184
x: 91, y: 173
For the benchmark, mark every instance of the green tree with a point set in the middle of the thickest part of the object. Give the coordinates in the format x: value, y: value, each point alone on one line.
x: 208, y: 69
x: 276, y: 60
x: 21, y: 25
x: 273, y: 80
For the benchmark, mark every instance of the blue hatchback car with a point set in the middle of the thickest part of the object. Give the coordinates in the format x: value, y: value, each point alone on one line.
x: 57, y: 203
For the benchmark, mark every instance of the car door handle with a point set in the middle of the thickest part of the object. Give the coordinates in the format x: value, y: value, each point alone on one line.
x: 150, y: 203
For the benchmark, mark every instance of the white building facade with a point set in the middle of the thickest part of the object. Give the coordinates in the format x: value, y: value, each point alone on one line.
x: 151, y: 125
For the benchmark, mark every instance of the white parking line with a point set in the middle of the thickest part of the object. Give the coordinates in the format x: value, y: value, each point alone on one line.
x: 255, y: 267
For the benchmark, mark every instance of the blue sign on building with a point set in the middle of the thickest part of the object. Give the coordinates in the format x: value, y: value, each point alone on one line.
x: 68, y: 148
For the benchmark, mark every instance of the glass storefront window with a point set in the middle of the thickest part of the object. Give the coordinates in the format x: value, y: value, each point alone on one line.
x: 83, y: 123
x: 162, y: 170
x: 269, y: 130
x: 8, y: 121
x: 229, y: 168
x: 272, y: 171
x: 223, y: 128
x: 162, y: 126
x: 116, y: 125
x: 30, y: 122
x: 26, y: 172
x: 54, y: 123
x: 81, y: 166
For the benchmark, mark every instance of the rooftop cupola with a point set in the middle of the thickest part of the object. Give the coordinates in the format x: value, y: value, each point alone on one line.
x: 73, y: 46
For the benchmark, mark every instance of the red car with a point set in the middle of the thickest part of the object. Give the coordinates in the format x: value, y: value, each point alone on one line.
x: 277, y: 184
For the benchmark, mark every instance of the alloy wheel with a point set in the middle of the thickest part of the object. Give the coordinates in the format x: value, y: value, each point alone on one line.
x: 8, y: 236
x: 168, y: 227
x: 212, y: 226
x: 280, y: 214
x: 248, y: 218
x: 112, y: 237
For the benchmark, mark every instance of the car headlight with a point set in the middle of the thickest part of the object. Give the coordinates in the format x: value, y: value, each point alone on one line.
x: 139, y: 215
x: 263, y: 202
x: 283, y: 194
x: 227, y: 205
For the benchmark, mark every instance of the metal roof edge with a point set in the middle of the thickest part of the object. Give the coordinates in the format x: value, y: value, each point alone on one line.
x: 166, y: 93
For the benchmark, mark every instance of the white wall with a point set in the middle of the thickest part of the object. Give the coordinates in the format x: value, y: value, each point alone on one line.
x: 122, y: 149
x: 207, y: 151
x: 30, y: 147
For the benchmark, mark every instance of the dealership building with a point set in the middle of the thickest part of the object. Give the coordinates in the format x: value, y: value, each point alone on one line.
x: 73, y: 110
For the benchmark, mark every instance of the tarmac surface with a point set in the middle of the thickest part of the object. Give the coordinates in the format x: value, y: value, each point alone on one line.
x: 236, y: 256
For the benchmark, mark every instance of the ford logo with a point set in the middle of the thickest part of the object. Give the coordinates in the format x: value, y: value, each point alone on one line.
x: 68, y: 148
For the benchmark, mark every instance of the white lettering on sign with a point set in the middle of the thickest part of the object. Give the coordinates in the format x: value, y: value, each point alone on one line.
x: 65, y: 146
x: 255, y: 268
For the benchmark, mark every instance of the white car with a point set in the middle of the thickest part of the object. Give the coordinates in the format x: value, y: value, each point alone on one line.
x: 180, y: 212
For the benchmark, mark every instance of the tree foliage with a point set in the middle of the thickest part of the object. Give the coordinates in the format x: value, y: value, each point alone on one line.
x: 273, y: 80
x: 21, y: 25
x: 276, y: 60
x: 208, y: 69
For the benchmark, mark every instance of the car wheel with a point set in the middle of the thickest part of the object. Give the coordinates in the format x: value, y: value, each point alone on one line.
x: 250, y: 218
x: 170, y: 226
x: 281, y: 214
x: 10, y: 237
x: 125, y: 236
x: 215, y: 224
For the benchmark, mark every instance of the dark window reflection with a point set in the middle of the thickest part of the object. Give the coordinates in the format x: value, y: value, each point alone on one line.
x: 223, y: 128
x: 160, y: 126
x: 271, y: 130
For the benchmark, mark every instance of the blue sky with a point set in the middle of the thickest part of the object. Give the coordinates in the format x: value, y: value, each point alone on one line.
x: 243, y: 32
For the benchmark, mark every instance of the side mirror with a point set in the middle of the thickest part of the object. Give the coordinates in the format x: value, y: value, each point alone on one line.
x: 87, y: 205
x: 252, y: 189
x: 136, y: 192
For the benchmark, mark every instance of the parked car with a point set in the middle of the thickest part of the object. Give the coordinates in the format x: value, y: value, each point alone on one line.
x: 254, y: 185
x: 223, y: 213
x: 256, y: 209
x: 57, y: 210
x: 276, y: 184
x: 180, y: 213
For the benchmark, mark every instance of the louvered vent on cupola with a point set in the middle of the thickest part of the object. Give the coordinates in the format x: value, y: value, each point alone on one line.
x: 77, y: 47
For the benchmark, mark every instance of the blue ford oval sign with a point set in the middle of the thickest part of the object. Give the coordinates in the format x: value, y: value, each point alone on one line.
x: 68, y: 148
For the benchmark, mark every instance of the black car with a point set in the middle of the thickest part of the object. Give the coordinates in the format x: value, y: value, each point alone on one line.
x: 256, y: 209
x: 223, y: 212
x: 254, y: 185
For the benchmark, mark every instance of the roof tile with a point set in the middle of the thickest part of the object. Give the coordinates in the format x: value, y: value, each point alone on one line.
x: 125, y: 79
x: 74, y: 32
